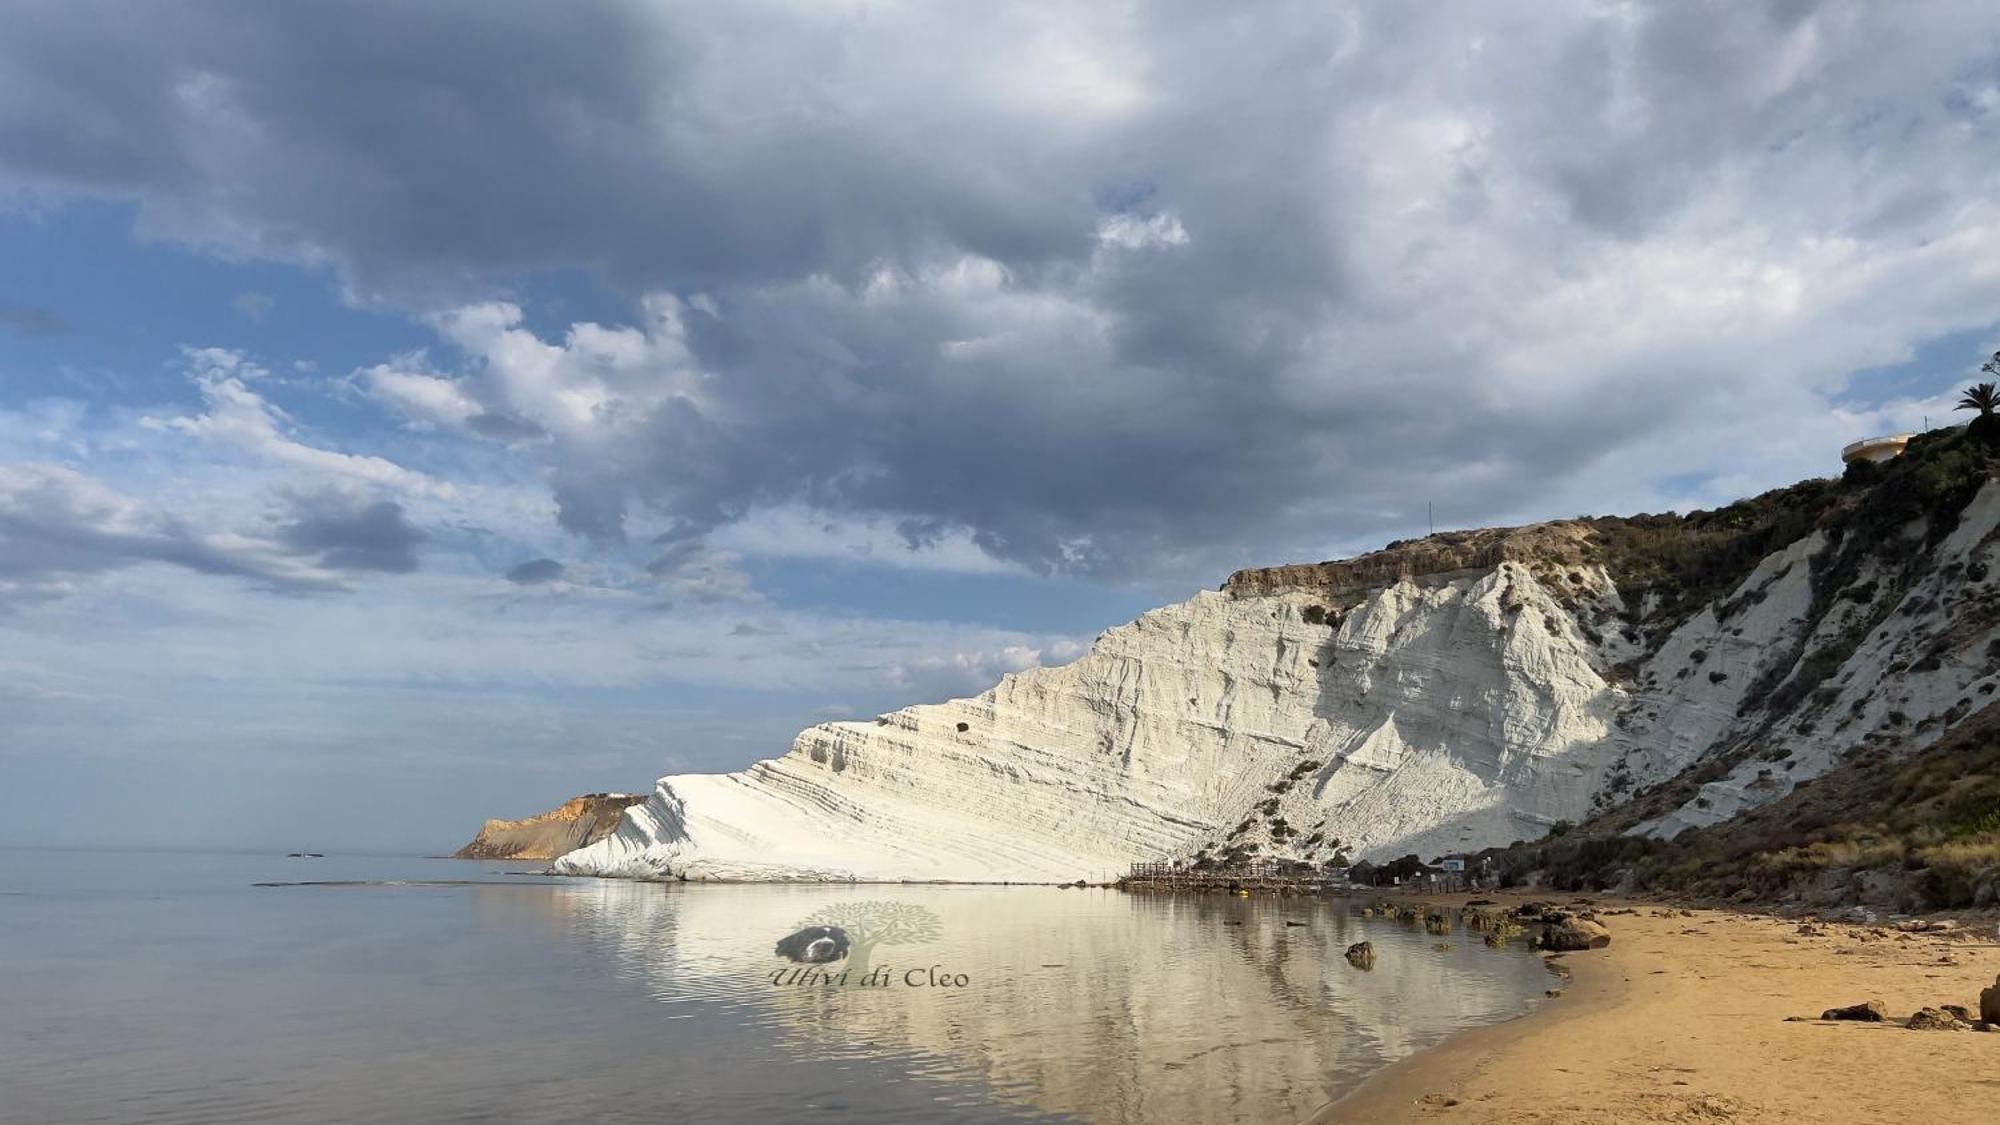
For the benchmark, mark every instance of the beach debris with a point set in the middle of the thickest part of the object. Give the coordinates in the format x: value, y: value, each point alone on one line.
x: 1868, y: 1011
x: 1989, y: 1003
x: 1437, y: 922
x: 1437, y: 1101
x: 1361, y: 955
x: 1927, y: 926
x: 1441, y: 946
x: 1934, y: 1019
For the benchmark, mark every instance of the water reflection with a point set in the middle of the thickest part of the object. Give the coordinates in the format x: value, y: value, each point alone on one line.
x: 1104, y: 1006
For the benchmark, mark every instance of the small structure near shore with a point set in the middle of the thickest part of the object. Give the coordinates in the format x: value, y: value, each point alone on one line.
x: 1267, y: 876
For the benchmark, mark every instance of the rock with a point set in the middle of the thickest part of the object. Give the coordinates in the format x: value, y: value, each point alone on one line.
x: 1868, y: 1011
x: 1933, y: 1019
x: 1552, y: 993
x: 576, y: 823
x: 1505, y: 645
x: 1958, y: 1012
x: 1361, y: 955
x: 1989, y: 1003
x: 1570, y: 934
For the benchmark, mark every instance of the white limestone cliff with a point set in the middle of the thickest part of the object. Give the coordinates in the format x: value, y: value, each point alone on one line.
x: 1304, y: 712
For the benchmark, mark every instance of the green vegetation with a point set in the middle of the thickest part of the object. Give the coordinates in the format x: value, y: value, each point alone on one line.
x: 1983, y: 397
x: 1675, y: 565
x: 1897, y: 830
x: 1917, y: 832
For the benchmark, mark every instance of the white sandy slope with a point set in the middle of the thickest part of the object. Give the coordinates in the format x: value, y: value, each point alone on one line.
x: 1441, y: 714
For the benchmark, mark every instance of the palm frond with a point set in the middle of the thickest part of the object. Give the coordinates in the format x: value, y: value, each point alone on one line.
x: 1983, y: 397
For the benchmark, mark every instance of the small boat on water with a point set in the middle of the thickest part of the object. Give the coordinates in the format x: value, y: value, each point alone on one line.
x: 305, y: 855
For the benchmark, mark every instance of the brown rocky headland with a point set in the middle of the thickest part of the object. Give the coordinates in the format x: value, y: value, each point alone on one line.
x: 575, y: 823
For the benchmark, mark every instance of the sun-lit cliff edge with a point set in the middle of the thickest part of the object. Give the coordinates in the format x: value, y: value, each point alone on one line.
x: 571, y: 825
x: 1447, y: 694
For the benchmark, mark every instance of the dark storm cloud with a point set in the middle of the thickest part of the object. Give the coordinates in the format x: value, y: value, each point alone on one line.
x: 1101, y: 288
x: 535, y: 571
x: 345, y: 533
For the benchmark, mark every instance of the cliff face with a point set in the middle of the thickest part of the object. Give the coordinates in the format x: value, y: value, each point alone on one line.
x: 1450, y: 694
x: 573, y: 824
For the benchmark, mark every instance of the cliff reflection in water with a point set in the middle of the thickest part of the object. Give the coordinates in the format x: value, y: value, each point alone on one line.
x: 1096, y: 1004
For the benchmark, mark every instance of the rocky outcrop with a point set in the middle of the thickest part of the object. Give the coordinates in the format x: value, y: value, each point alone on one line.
x: 575, y: 823
x: 1442, y: 696
x: 1935, y: 1019
x: 1566, y: 542
x: 1564, y: 933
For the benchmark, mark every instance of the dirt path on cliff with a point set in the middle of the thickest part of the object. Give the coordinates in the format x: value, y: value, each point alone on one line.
x: 1683, y: 1018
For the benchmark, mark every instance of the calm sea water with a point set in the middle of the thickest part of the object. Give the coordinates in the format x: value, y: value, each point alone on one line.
x: 164, y: 987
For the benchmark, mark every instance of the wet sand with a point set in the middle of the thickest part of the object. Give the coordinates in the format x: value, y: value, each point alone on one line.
x: 1683, y: 1018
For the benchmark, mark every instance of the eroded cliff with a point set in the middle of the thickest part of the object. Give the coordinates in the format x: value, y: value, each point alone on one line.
x: 1443, y: 695
x: 571, y: 825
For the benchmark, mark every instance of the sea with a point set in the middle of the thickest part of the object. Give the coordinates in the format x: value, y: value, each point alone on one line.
x: 157, y: 987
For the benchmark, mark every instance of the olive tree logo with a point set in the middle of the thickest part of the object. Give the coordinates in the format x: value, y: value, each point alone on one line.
x: 854, y: 929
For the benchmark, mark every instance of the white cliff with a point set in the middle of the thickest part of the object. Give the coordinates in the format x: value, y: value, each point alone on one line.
x: 1432, y: 699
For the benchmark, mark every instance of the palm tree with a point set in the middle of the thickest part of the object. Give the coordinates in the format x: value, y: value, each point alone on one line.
x: 1983, y: 397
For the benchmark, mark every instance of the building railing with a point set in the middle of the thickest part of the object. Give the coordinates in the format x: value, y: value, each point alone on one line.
x: 1854, y: 447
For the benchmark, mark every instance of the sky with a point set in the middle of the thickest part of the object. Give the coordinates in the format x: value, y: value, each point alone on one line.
x: 415, y: 413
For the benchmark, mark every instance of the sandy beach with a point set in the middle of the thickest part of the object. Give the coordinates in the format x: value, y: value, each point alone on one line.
x: 1684, y: 1018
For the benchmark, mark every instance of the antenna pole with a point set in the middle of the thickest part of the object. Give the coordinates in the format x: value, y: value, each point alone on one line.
x: 1430, y: 517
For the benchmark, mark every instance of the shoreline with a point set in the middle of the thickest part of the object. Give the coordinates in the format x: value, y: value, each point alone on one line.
x: 1697, y: 1014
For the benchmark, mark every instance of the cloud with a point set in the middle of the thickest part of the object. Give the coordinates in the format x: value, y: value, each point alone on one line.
x: 535, y: 571
x: 1107, y: 290
x: 241, y: 418
x: 254, y: 305
x: 57, y: 525
x: 1134, y: 232
x: 424, y: 398
x: 347, y: 533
